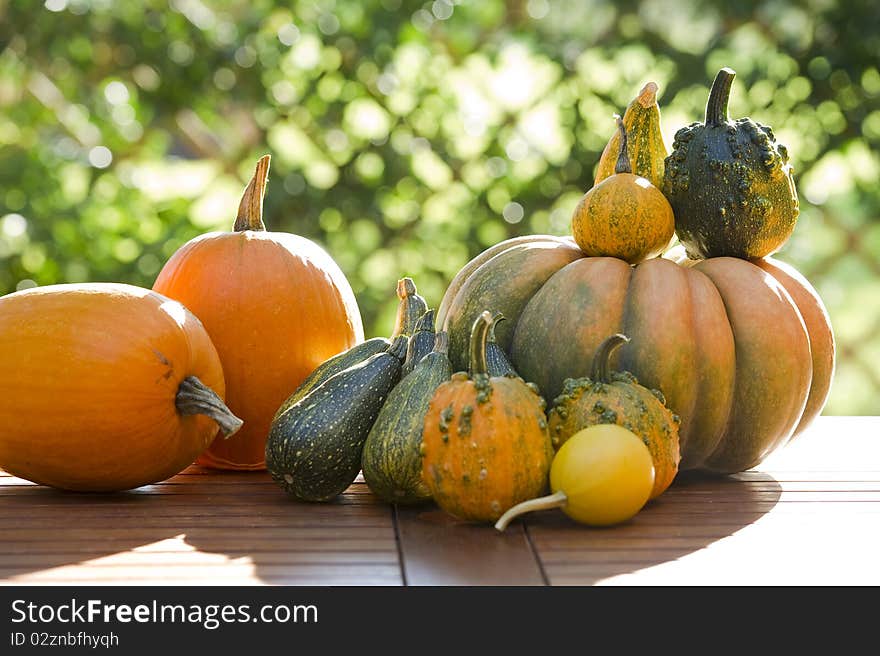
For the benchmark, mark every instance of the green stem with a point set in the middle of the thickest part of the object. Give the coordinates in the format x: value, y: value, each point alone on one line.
x: 555, y: 500
x: 250, y: 209
x: 479, y: 337
x: 716, y: 107
x: 601, y: 368
x: 622, y: 165
x: 196, y: 398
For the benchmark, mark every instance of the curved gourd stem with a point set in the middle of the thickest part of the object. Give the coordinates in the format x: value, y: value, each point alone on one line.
x: 555, y: 500
x: 497, y: 318
x: 716, y: 107
x: 648, y: 95
x: 479, y: 336
x: 622, y: 165
x: 601, y: 361
x: 250, y: 209
x: 195, y: 398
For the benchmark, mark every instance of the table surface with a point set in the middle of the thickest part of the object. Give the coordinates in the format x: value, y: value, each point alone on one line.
x: 808, y: 515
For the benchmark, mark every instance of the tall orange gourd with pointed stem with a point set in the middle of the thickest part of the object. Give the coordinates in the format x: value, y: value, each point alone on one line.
x: 275, y: 304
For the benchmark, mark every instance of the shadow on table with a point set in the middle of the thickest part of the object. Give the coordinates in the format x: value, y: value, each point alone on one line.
x: 202, y: 528
x: 697, y: 510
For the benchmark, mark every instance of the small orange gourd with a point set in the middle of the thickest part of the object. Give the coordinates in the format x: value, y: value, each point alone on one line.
x: 276, y: 306
x: 105, y: 387
x: 485, y: 443
x: 624, y: 216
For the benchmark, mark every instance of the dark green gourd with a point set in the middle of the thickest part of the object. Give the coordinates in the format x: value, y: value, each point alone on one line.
x: 410, y: 306
x: 420, y: 342
x: 730, y: 184
x: 497, y: 363
x: 392, y: 462
x: 314, y: 447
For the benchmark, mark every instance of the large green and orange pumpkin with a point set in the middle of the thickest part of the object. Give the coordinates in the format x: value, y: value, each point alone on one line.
x: 743, y: 350
x: 276, y: 306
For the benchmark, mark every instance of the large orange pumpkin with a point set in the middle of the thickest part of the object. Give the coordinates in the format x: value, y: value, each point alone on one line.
x: 276, y: 306
x: 743, y: 351
x: 105, y: 387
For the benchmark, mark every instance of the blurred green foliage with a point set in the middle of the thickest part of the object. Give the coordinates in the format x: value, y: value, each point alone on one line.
x: 408, y: 136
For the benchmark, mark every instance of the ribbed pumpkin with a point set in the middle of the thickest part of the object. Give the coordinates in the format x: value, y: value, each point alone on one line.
x: 743, y: 353
x: 105, y: 387
x: 276, y: 306
x: 616, y: 397
x: 485, y: 442
x: 624, y: 215
x: 645, y: 145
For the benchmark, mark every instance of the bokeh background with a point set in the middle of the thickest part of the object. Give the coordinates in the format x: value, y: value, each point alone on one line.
x: 408, y: 136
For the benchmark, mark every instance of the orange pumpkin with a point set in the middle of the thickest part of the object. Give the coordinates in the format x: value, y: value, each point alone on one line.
x: 276, y: 306
x: 105, y: 387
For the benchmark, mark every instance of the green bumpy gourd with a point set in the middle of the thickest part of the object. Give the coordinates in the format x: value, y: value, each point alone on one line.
x: 730, y: 184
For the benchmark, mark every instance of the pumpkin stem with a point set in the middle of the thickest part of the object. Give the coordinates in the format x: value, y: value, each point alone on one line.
x: 250, y: 209
x: 479, y: 337
x: 648, y: 95
x: 196, y: 398
x: 716, y: 107
x: 556, y: 500
x: 602, y: 360
x: 622, y: 165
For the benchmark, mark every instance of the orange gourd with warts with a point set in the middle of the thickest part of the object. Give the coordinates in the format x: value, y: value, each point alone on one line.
x: 485, y: 442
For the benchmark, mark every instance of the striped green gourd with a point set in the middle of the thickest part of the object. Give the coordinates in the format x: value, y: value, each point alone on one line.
x: 392, y: 463
x: 314, y: 447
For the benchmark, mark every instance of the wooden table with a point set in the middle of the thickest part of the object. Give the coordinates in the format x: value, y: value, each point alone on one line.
x: 808, y: 515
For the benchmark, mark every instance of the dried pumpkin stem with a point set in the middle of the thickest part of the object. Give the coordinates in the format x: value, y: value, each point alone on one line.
x: 479, y: 337
x: 196, y: 398
x: 623, y: 165
x: 250, y: 209
x: 556, y: 500
x: 601, y: 368
x: 716, y: 106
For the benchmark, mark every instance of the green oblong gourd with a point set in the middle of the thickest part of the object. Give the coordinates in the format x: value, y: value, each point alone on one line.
x: 315, y: 446
x: 421, y: 342
x: 409, y: 306
x: 730, y: 184
x: 392, y: 462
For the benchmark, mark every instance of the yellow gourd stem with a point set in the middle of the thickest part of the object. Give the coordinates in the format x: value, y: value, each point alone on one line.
x: 250, y: 209
x: 623, y: 165
x: 195, y: 398
x: 556, y: 500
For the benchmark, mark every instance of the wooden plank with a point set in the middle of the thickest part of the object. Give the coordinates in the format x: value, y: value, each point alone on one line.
x: 438, y: 550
